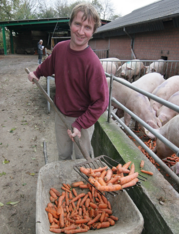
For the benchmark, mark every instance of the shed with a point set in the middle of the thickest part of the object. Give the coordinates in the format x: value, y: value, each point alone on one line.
x: 28, y: 32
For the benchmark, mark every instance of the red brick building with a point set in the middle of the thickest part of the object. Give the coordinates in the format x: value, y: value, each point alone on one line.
x: 148, y: 33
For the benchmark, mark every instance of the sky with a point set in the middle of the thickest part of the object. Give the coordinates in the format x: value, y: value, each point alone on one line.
x: 124, y: 7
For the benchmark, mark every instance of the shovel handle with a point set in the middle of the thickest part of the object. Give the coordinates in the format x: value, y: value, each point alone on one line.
x: 76, y: 139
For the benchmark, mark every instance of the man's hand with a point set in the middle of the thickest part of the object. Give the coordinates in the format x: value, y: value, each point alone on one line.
x: 31, y: 76
x: 76, y: 132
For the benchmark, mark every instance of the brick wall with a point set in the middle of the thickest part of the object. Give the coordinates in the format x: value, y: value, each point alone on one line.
x: 147, y: 46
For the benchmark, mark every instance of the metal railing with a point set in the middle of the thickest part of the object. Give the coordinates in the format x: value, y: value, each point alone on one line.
x: 167, y: 68
x: 153, y: 131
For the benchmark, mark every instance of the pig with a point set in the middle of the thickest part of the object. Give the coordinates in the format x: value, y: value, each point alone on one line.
x: 165, y: 91
x: 116, y: 61
x: 131, y: 70
x: 165, y: 113
x: 149, y: 82
x: 157, y: 66
x: 171, y: 132
x: 109, y: 67
x: 135, y: 102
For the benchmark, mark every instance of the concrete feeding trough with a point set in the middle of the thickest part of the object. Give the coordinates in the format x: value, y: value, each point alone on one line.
x: 54, y: 174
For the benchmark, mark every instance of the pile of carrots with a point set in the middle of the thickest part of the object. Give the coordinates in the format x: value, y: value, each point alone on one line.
x: 169, y: 161
x: 70, y: 212
x: 117, y: 178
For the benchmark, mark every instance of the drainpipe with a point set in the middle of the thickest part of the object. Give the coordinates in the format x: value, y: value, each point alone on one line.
x: 132, y: 43
x: 4, y: 40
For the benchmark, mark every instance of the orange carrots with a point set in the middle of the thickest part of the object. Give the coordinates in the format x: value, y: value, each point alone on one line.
x: 130, y: 183
x: 142, y: 164
x: 128, y: 178
x: 147, y: 172
x: 76, y: 184
x: 108, y: 175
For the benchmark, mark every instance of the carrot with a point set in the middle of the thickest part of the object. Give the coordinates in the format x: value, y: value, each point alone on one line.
x: 50, y: 217
x: 108, y: 211
x: 52, y: 199
x: 103, y: 174
x: 94, y: 220
x: 101, y: 181
x: 83, y: 186
x: 128, y: 178
x: 60, y: 200
x: 130, y: 183
x: 50, y: 205
x: 84, y: 170
x: 104, y: 199
x: 67, y: 209
x: 96, y: 174
x: 126, y: 165
x: 121, y: 169
x: 93, y: 205
x: 142, y: 164
x: 66, y: 186
x: 59, y: 210
x: 102, y: 216
x: 80, y: 211
x: 78, y: 204
x: 113, y: 180
x: 78, y: 230
x: 111, y: 221
x: 83, y: 209
x: 102, y: 206
x: 109, y: 205
x: 87, y: 202
x: 114, y: 169
x: 147, y: 172
x: 84, y: 199
x: 78, y: 197
x: 55, y: 191
x: 113, y: 217
x: 74, y: 192
x: 70, y: 195
x: 110, y: 188
x: 76, y: 184
x: 105, y: 224
x: 132, y: 170
x: 66, y: 198
x: 100, y: 169
x: 52, y: 211
x: 55, y: 230
x: 53, y: 194
x: 73, y: 205
x: 61, y: 220
x: 91, y: 213
x: 90, y: 196
x: 82, y: 221
x: 108, y: 175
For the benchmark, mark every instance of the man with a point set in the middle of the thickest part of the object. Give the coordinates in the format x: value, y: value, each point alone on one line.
x: 81, y: 86
x: 40, y: 51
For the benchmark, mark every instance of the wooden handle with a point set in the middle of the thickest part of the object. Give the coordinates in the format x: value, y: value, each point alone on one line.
x: 76, y: 139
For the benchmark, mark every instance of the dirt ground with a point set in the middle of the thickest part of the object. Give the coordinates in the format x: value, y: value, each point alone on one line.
x: 24, y: 126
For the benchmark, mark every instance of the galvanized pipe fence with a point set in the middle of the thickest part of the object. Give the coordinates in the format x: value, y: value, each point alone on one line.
x: 153, y: 131
x: 170, y: 68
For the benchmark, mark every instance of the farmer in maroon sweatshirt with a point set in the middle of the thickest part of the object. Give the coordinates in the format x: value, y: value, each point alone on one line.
x: 81, y: 86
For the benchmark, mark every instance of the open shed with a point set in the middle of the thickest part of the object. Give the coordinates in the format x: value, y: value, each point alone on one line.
x: 24, y: 34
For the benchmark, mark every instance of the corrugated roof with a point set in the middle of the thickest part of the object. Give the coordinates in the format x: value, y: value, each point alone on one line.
x: 155, y: 11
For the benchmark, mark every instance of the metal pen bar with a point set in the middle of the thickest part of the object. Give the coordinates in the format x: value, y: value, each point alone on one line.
x: 151, y: 153
x: 158, y: 135
x: 162, y: 101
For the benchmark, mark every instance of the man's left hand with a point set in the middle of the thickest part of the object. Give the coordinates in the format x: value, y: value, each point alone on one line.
x: 76, y: 132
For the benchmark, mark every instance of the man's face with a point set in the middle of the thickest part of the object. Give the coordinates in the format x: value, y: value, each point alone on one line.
x: 81, y: 32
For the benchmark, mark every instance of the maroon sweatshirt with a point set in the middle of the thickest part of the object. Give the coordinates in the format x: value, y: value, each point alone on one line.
x: 81, y: 86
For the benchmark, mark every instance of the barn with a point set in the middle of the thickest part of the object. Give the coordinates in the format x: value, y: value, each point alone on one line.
x: 148, y: 33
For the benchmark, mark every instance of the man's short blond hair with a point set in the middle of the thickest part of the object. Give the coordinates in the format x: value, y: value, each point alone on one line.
x: 89, y: 12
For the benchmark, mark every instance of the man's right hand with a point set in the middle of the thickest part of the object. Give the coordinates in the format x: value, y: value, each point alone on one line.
x: 31, y: 76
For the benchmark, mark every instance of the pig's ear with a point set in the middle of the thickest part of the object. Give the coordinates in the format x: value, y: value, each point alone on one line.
x: 129, y: 68
x: 149, y: 134
x: 159, y: 122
